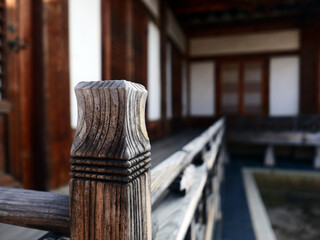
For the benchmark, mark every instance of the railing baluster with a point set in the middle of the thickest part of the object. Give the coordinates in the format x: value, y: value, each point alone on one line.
x: 110, y: 185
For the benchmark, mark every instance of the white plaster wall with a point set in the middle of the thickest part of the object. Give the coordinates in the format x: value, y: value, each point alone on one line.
x: 245, y: 43
x: 169, y: 80
x: 154, y: 85
x: 284, y: 86
x: 202, y: 88
x: 152, y: 5
x: 175, y: 32
x: 84, y: 46
x: 184, y: 100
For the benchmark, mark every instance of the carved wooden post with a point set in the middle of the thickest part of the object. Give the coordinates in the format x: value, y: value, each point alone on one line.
x: 110, y: 185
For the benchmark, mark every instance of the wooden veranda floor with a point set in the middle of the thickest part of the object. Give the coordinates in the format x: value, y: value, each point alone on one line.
x: 160, y: 150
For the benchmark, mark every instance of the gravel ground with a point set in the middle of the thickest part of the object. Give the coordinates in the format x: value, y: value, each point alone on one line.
x: 295, y: 221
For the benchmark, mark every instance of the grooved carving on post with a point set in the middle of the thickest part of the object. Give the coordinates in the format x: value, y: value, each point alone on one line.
x: 110, y: 185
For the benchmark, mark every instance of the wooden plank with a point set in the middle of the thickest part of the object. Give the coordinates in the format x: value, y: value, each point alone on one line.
x: 174, y: 214
x: 55, y: 82
x: 35, y: 209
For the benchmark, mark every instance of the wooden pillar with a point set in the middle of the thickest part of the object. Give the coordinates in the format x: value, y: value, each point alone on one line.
x: 110, y: 185
x: 269, y: 159
x: 309, y: 64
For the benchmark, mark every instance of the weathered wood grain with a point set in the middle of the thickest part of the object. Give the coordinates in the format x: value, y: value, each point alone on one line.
x: 164, y: 174
x: 174, y: 213
x: 110, y: 185
x: 35, y: 209
x: 111, y: 120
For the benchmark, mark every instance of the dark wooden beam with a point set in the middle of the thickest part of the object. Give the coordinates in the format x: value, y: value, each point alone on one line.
x: 309, y: 64
x: 200, y: 6
x: 248, y: 26
x: 165, y: 123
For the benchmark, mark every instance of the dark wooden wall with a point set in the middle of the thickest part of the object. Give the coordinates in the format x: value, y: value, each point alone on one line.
x: 38, y: 89
x: 124, y: 40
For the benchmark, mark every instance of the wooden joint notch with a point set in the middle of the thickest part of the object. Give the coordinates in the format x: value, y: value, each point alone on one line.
x: 110, y: 170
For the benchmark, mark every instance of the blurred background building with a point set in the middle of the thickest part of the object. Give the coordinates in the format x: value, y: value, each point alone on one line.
x: 199, y: 60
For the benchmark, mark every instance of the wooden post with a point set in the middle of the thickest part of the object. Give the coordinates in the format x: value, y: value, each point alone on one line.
x: 269, y: 159
x: 316, y: 160
x: 110, y: 185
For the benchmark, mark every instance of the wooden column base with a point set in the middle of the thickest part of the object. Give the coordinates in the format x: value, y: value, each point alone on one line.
x: 316, y: 160
x: 269, y: 159
x: 112, y: 200
x: 96, y: 201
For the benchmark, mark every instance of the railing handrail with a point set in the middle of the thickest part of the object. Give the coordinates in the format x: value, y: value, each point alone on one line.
x: 165, y: 173
x: 112, y: 180
x: 56, y: 206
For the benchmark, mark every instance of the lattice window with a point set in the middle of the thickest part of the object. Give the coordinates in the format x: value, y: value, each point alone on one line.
x: 253, y: 74
x: 241, y: 88
x: 230, y: 87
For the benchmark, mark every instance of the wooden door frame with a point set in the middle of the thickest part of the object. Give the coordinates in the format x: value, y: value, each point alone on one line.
x: 39, y: 122
x: 19, y: 77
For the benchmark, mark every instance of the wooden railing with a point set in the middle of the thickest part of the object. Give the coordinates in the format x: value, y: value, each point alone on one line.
x: 298, y: 131
x: 113, y: 193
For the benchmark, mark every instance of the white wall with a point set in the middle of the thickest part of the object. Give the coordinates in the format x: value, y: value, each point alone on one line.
x: 245, y: 43
x: 184, y: 99
x: 84, y: 46
x: 284, y: 86
x: 202, y: 88
x: 175, y: 32
x: 169, y: 80
x: 154, y: 85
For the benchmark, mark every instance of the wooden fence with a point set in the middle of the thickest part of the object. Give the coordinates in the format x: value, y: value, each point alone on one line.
x: 113, y: 193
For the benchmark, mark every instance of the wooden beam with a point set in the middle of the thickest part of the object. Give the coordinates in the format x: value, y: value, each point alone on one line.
x: 245, y: 26
x: 35, y: 209
x: 178, y: 161
x: 165, y: 123
x: 309, y: 65
x: 201, y: 6
x: 116, y: 20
